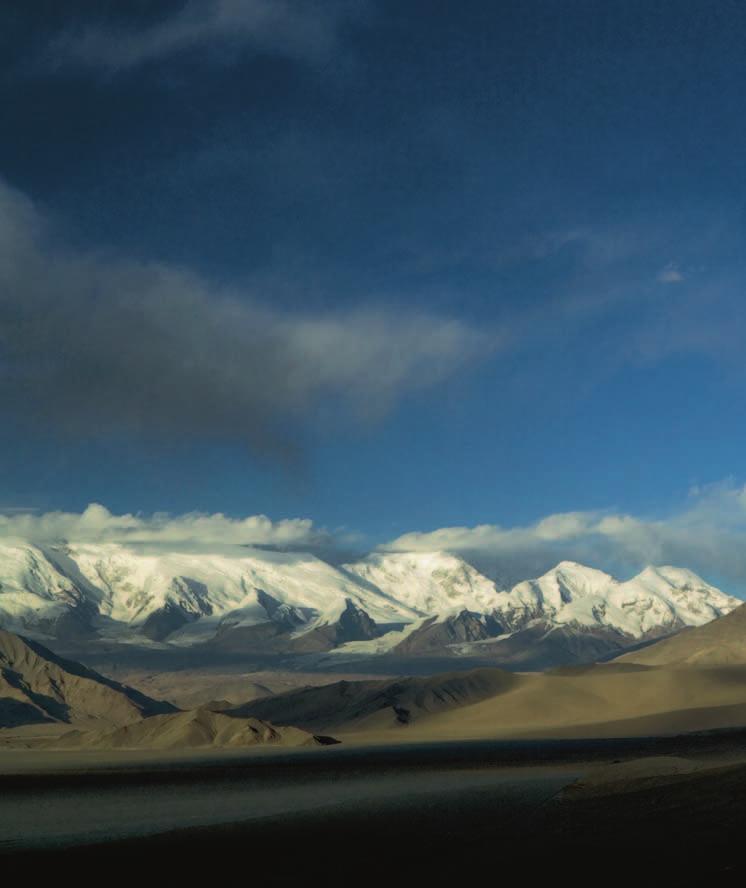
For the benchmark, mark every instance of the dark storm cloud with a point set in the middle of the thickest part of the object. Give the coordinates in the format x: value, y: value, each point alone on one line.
x: 99, y: 345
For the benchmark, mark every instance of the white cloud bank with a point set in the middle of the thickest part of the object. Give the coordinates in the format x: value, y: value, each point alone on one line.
x: 707, y: 536
x: 195, y: 530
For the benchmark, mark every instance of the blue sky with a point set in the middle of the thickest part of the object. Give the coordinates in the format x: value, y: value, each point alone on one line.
x: 391, y: 266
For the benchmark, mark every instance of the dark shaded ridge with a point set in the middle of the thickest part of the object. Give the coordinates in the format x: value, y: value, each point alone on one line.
x: 145, y: 703
x: 14, y: 713
x: 355, y: 624
x: 54, y: 708
x: 346, y: 702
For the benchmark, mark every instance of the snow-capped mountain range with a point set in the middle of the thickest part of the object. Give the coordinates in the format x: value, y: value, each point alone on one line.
x: 387, y: 602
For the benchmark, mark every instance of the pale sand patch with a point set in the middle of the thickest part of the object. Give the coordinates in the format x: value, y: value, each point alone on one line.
x: 629, y: 776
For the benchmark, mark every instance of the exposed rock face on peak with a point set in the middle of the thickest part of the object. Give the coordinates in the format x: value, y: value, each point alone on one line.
x: 354, y: 624
x: 38, y: 686
x: 284, y: 615
x: 187, y: 601
x: 283, y: 633
x: 542, y: 644
x: 435, y: 635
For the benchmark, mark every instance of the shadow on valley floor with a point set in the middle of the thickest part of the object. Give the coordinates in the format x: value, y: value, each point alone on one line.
x: 113, y: 660
x: 689, y: 833
x: 461, y: 812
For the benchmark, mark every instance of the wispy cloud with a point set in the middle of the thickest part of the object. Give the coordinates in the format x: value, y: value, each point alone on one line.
x: 303, y: 29
x: 670, y: 274
x: 616, y: 295
x: 99, y: 345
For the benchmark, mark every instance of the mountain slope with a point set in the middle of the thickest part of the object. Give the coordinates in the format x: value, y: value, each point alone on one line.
x: 722, y: 641
x: 656, y: 602
x: 571, y: 614
x: 181, y: 596
x: 543, y: 645
x: 38, y: 686
x: 36, y: 595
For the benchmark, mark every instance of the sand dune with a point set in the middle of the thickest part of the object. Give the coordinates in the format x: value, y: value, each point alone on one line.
x: 615, y: 699
x: 196, y: 728
x: 604, y: 701
x: 361, y: 705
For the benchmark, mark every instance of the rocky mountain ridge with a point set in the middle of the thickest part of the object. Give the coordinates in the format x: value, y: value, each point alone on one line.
x: 399, y: 604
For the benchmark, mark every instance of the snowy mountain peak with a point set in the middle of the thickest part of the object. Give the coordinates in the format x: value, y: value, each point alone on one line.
x: 428, y: 582
x: 567, y: 565
x: 573, y: 568
x: 659, y: 599
x: 119, y: 592
x: 672, y: 576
